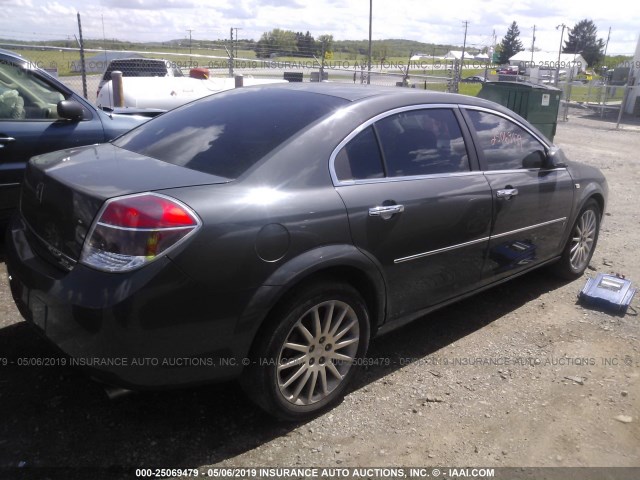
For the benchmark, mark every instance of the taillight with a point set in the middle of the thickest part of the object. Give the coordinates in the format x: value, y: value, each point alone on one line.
x: 133, y: 230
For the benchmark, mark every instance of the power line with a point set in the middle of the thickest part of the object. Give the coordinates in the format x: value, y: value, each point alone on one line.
x: 464, y: 46
x: 189, y: 30
x: 533, y: 44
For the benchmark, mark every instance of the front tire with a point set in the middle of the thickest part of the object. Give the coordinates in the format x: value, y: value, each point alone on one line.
x: 581, y: 243
x: 308, y: 353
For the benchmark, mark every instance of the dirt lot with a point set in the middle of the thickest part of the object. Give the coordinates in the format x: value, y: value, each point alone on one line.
x: 518, y: 376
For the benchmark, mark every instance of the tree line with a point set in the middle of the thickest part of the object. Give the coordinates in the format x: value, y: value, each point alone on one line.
x: 278, y: 42
x: 582, y: 39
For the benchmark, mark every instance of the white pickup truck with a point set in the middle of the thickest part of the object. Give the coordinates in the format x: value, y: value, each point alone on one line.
x: 169, y: 92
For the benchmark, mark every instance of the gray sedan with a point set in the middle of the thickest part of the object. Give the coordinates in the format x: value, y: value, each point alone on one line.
x: 269, y: 233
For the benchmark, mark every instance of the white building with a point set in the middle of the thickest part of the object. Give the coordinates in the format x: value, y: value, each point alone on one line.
x: 457, y: 55
x: 570, y: 63
x: 634, y: 91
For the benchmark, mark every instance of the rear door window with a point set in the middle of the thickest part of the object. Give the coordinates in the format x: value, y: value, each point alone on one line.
x: 422, y: 142
x: 360, y: 158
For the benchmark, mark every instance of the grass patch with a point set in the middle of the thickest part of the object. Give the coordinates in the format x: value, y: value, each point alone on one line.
x: 586, y: 94
x: 471, y: 89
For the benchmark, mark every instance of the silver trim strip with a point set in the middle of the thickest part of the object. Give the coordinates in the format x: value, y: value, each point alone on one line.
x: 473, y: 242
x: 409, y: 178
x: 524, y: 170
x: 440, y: 250
x: 450, y: 106
x: 345, y: 183
x: 531, y: 227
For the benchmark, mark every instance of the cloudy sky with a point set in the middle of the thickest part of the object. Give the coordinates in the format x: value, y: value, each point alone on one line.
x: 425, y: 21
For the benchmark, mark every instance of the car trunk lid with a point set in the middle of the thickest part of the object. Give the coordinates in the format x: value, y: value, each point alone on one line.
x: 63, y: 191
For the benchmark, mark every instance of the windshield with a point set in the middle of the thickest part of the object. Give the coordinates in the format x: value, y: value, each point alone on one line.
x: 227, y: 133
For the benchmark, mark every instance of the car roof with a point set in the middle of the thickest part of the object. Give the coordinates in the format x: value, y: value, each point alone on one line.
x: 394, y: 97
x: 403, y: 95
x: 9, y: 53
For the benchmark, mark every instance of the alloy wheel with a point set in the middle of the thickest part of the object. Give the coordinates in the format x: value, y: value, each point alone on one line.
x: 583, y: 240
x: 318, y: 352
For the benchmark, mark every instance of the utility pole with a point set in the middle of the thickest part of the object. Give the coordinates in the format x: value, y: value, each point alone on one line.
x: 82, y: 61
x: 533, y: 44
x: 230, y: 53
x: 464, y: 46
x: 370, y: 22
x: 189, y: 30
x: 605, y: 74
x: 236, y: 29
x: 322, y: 62
x: 559, y: 52
x: 606, y: 45
x: 495, y: 41
x: 490, y: 51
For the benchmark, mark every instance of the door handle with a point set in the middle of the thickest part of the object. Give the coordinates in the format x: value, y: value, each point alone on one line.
x: 507, y: 193
x: 385, y: 211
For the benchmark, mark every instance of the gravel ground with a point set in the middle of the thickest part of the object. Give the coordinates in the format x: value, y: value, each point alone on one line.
x: 517, y: 376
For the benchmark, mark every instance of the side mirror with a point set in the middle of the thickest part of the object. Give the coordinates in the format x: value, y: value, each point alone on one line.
x: 555, y: 159
x: 70, y: 109
x: 535, y: 159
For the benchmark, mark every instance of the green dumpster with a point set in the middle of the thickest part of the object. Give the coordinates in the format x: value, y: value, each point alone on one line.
x: 539, y: 104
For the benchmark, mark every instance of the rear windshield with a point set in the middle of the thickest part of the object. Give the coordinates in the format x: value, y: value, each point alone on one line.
x: 139, y: 68
x: 225, y: 134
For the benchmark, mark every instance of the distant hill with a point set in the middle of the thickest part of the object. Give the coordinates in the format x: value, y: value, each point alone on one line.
x: 380, y: 48
x: 392, y: 47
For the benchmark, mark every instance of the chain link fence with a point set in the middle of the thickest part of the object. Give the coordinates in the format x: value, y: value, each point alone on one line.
x: 66, y: 64
x: 86, y: 77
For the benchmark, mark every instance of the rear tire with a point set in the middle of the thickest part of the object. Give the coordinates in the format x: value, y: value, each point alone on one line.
x: 581, y: 244
x: 309, y: 351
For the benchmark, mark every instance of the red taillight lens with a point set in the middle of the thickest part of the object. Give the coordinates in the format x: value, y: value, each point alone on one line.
x: 134, y: 230
x: 147, y: 211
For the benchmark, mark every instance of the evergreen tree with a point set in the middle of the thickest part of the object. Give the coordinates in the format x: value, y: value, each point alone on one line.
x: 306, y: 44
x: 510, y: 44
x: 583, y: 39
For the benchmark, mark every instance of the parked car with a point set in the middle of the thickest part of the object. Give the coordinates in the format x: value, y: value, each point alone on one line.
x: 507, y: 70
x: 475, y: 79
x: 275, y: 253
x: 140, y: 67
x: 39, y: 114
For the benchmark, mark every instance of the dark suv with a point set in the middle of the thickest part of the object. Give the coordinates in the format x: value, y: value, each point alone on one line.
x: 38, y: 114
